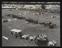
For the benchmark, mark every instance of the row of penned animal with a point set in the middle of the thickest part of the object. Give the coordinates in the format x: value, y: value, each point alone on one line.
x: 49, y: 24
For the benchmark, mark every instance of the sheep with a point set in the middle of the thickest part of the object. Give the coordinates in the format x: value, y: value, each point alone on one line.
x: 25, y: 36
x: 32, y: 38
x: 52, y: 43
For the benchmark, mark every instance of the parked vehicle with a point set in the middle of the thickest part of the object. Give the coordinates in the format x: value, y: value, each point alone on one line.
x: 16, y: 32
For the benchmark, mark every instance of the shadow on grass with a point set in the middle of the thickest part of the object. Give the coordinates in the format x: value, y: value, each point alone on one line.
x: 39, y: 43
x: 32, y: 21
x: 49, y: 24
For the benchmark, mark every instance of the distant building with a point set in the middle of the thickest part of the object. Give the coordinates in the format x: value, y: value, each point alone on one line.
x: 52, y: 6
x: 32, y: 6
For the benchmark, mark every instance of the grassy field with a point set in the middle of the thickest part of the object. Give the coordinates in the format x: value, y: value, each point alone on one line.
x: 33, y: 29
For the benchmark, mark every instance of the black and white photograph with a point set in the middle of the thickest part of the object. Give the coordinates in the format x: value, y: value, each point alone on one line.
x: 31, y: 24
